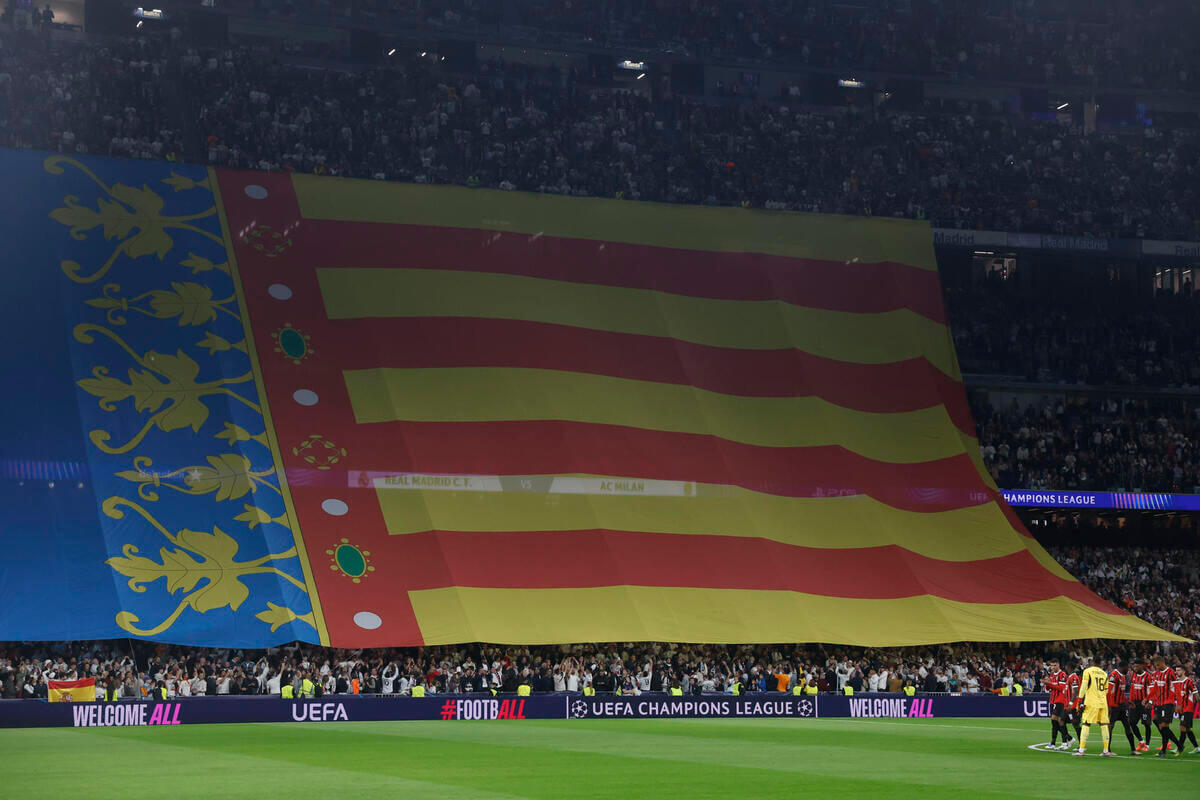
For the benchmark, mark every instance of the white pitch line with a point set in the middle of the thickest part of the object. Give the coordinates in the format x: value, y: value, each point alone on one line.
x: 920, y: 725
x: 1039, y: 748
x: 1036, y: 747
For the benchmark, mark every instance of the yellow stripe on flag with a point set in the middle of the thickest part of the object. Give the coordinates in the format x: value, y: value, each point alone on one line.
x: 883, y: 338
x: 964, y: 534
x: 818, y: 236
x: 74, y: 694
x: 666, y: 614
x: 489, y: 394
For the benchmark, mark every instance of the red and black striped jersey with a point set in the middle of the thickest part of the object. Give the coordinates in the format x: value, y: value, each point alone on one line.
x: 1073, y: 681
x: 1116, y: 688
x: 1138, y: 684
x: 1056, y: 682
x: 1160, y: 686
x: 1183, y: 692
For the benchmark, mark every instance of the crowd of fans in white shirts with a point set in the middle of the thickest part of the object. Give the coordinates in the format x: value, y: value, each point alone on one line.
x: 1095, y: 443
x: 1158, y: 585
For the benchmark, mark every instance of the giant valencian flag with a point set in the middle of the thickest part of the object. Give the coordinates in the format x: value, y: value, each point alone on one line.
x: 372, y: 414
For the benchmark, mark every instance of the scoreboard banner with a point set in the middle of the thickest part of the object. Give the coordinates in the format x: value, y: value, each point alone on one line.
x: 449, y: 708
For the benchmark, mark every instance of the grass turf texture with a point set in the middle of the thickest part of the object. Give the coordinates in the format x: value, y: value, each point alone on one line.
x: 575, y: 758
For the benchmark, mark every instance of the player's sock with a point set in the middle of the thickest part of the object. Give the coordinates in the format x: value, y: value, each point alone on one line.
x: 1146, y: 738
x: 1077, y: 733
x: 1104, y: 732
x: 1192, y: 737
x: 1083, y: 737
x: 1053, y: 732
x: 1129, y: 736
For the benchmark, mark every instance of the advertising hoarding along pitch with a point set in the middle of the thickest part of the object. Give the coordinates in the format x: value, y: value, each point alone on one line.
x: 450, y: 708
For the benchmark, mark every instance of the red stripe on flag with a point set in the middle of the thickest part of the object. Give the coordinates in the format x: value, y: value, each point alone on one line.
x: 567, y: 559
x: 444, y: 342
x: 833, y: 285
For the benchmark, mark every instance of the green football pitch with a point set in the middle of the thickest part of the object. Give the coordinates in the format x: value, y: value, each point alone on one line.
x: 569, y: 758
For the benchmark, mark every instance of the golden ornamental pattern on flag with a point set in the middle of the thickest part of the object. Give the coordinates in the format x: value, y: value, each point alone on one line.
x: 141, y: 404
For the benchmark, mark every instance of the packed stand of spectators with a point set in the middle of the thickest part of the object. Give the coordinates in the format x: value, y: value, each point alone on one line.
x: 1096, y: 338
x: 1099, y: 443
x: 1157, y: 585
x: 546, y: 130
x: 108, y: 99
x: 552, y: 130
x: 627, y: 668
x: 1112, y: 42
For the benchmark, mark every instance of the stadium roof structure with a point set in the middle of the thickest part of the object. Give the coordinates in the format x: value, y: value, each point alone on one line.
x: 372, y: 414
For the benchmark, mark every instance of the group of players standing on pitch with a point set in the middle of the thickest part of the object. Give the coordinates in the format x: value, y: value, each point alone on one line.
x: 1149, y: 693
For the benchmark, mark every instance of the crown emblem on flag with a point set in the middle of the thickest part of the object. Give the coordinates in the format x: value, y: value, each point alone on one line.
x: 267, y: 240
x: 319, y: 452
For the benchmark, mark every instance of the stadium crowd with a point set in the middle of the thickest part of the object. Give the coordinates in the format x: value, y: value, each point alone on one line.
x: 1031, y: 41
x: 1157, y: 585
x: 103, y: 99
x: 1102, y: 443
x: 1120, y: 437
x: 517, y: 127
x: 1097, y: 337
x: 513, y: 126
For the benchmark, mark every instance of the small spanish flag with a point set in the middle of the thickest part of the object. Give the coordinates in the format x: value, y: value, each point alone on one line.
x: 82, y: 691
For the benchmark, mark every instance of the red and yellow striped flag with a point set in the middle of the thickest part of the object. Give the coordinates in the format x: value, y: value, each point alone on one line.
x: 80, y: 691
x: 529, y: 419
